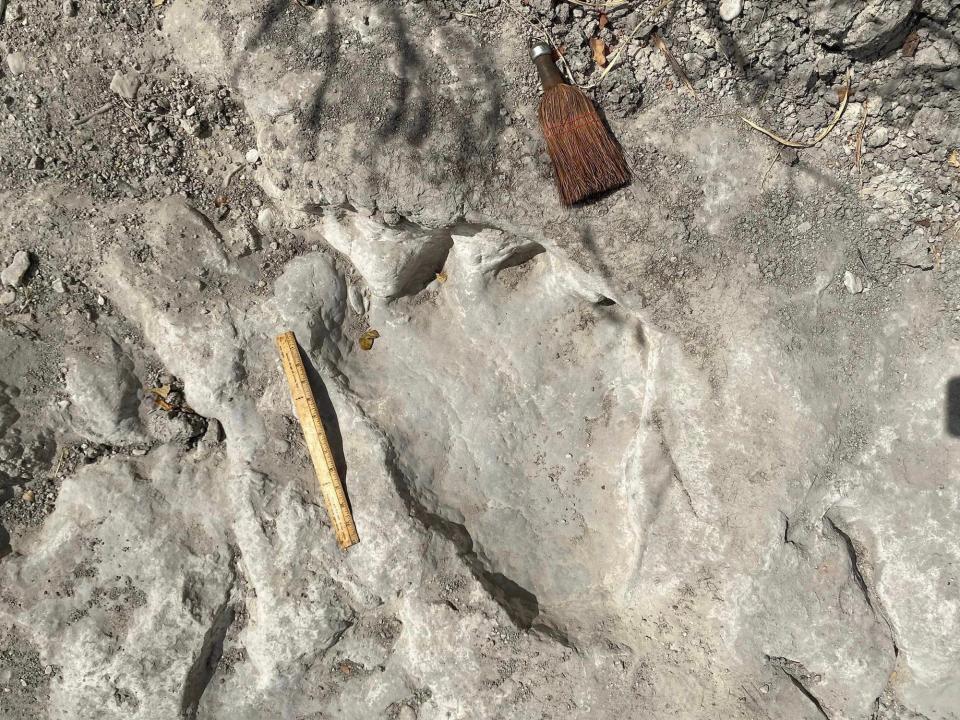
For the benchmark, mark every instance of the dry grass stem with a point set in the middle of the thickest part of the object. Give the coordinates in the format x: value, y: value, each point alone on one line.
x: 599, y: 6
x: 624, y: 42
x: 858, y: 147
x: 535, y: 23
x: 677, y: 68
x: 820, y: 135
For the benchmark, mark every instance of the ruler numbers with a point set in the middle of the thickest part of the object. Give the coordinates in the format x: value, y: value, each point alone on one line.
x: 331, y: 487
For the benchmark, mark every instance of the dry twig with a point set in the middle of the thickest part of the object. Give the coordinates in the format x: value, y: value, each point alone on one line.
x: 624, y: 42
x: 820, y: 135
x: 858, y: 147
x: 549, y: 38
x: 773, y: 162
x: 677, y: 68
x: 599, y: 6
x: 99, y: 111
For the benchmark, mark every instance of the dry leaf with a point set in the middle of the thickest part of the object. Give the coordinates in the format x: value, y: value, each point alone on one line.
x: 604, y: 20
x: 599, y: 48
x: 158, y: 3
x: 954, y: 158
x: 366, y: 340
x: 441, y: 277
x: 160, y: 392
x: 910, y: 43
x: 625, y: 41
x: 844, y: 95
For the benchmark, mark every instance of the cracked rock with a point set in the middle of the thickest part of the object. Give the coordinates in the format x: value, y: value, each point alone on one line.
x: 104, y: 395
x: 862, y: 28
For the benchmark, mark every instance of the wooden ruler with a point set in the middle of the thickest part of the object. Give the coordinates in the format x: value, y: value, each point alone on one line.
x: 309, y: 416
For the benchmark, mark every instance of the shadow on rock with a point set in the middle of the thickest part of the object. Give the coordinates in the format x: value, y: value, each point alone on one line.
x: 952, y: 418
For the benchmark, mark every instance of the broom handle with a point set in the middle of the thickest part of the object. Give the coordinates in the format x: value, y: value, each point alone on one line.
x: 547, y: 69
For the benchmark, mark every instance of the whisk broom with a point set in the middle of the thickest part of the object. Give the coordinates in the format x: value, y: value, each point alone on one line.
x: 586, y: 159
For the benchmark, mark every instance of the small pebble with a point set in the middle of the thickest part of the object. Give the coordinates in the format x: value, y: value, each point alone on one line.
x: 253, y: 156
x: 57, y: 286
x: 266, y: 219
x: 852, y: 283
x: 878, y: 137
x: 14, y: 272
x: 17, y: 63
x: 730, y: 9
x: 125, y: 84
x: 27, y: 496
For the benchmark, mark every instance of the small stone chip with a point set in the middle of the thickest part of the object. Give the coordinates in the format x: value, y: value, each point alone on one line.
x: 17, y: 63
x: 852, y: 283
x: 730, y: 9
x: 14, y: 272
x: 125, y: 84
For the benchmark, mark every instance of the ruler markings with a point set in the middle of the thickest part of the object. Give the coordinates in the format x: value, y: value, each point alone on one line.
x: 331, y: 487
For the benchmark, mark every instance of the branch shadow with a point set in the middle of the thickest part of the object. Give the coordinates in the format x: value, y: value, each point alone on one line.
x: 5, y: 547
x: 414, y: 108
x: 952, y: 407
x: 6, y: 495
x: 327, y: 54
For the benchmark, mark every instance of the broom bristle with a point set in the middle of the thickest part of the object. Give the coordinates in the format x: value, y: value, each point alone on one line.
x: 586, y: 159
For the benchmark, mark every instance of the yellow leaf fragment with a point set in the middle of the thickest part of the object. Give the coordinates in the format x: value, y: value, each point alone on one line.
x: 366, y: 340
x: 441, y: 277
x: 954, y: 158
x: 160, y: 392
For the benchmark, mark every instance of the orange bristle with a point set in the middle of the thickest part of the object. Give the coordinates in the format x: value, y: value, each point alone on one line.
x: 586, y: 159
